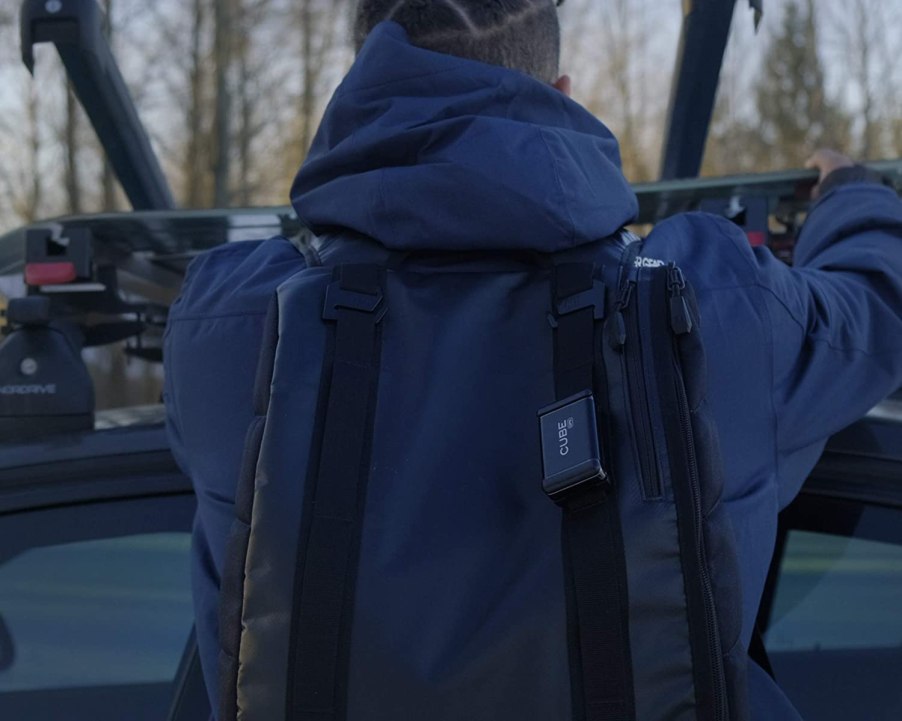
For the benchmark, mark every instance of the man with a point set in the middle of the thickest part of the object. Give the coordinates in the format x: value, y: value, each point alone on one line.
x: 488, y: 153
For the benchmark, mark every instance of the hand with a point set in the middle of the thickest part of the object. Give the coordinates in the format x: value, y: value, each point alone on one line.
x: 826, y: 161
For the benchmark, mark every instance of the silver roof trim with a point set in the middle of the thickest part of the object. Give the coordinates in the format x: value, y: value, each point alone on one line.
x: 889, y: 410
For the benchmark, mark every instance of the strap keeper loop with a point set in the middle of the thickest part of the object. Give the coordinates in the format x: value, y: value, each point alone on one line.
x: 592, y: 298
x: 338, y: 297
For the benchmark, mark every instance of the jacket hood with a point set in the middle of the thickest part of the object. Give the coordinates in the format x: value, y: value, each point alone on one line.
x: 421, y: 150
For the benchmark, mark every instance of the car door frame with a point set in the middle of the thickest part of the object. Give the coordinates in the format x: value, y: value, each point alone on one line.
x: 128, y: 465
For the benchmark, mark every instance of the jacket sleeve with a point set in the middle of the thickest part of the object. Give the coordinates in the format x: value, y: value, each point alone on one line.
x: 836, y: 321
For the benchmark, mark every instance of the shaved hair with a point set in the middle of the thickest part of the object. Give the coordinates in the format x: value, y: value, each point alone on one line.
x: 522, y: 35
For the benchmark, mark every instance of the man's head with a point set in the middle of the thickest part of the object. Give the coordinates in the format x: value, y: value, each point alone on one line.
x: 521, y: 35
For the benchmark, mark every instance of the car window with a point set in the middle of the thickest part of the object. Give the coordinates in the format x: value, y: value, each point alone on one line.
x: 95, y: 604
x: 837, y: 592
x: 834, y: 636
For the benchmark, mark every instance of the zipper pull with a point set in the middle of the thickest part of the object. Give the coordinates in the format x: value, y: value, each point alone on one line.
x: 680, y: 317
x: 617, y: 323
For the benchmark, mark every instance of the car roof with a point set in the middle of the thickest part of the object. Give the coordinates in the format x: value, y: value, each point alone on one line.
x: 127, y: 431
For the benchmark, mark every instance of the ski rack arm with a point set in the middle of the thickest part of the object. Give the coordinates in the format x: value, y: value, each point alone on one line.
x: 703, y: 42
x: 75, y: 28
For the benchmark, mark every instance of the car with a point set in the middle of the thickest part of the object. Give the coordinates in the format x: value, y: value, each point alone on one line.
x: 95, y: 600
x: 95, y: 515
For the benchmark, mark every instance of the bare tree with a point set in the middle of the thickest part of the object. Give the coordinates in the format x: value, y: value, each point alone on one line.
x: 320, y: 24
x: 620, y: 37
x: 795, y: 110
x: 108, y: 179
x: 224, y: 39
x: 71, y: 144
x: 859, y: 39
x: 246, y: 129
x: 28, y: 204
x: 254, y: 88
x: 317, y: 32
x: 615, y: 52
x: 197, y: 137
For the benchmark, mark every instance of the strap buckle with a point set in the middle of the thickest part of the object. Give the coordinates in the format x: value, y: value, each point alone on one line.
x: 571, y: 455
x: 338, y: 297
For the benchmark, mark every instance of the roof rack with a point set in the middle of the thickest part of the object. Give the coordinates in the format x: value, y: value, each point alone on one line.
x: 44, y: 384
x: 72, y: 303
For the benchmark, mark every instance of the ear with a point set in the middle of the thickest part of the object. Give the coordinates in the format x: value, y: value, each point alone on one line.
x: 564, y: 84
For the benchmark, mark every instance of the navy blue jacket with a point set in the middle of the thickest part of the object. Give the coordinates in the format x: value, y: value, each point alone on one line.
x: 422, y: 150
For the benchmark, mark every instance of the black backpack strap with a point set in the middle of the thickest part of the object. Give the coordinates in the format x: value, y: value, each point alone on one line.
x: 594, y: 560
x: 333, y: 511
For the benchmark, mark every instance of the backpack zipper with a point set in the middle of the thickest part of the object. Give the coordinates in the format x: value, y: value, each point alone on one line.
x: 628, y: 337
x: 680, y: 317
x: 681, y: 324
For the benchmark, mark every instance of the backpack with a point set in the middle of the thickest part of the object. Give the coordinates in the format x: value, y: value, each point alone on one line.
x: 479, y: 487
